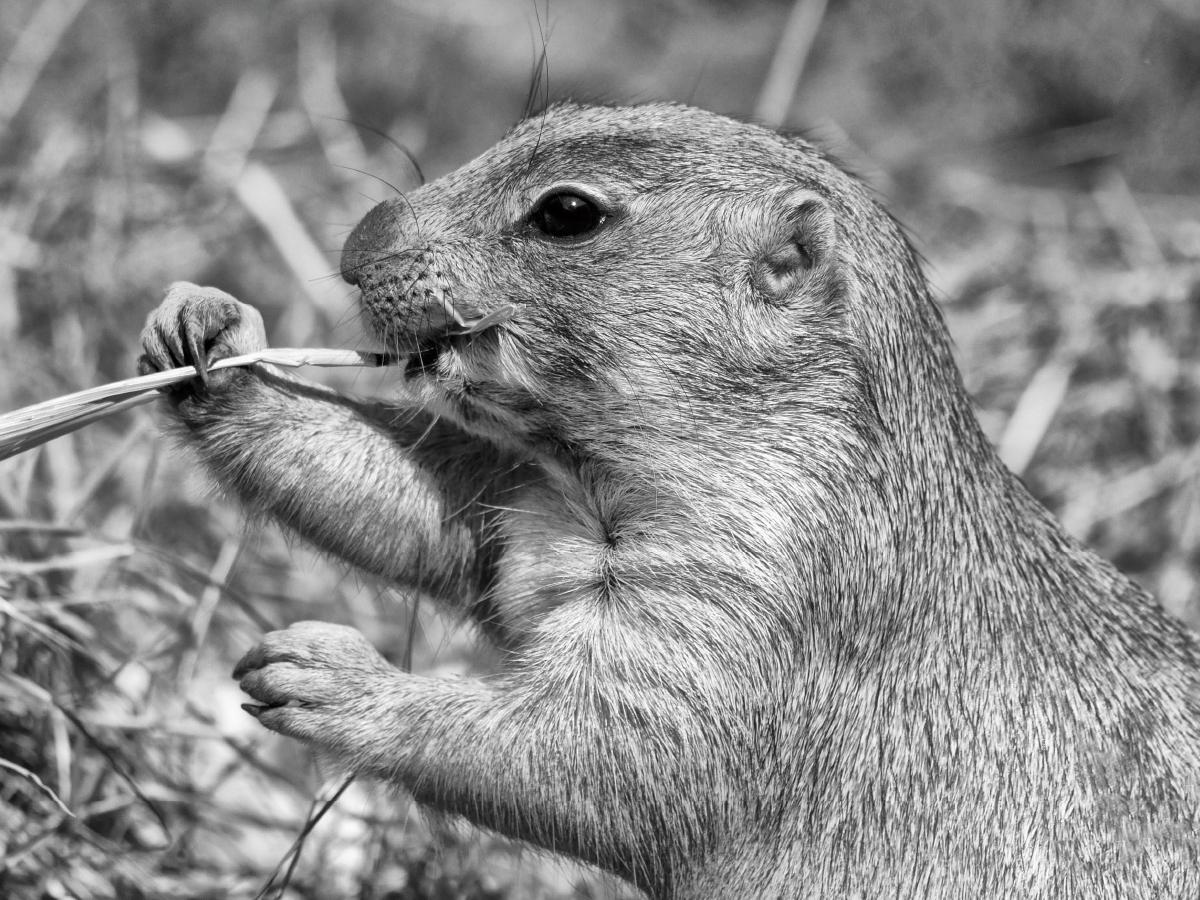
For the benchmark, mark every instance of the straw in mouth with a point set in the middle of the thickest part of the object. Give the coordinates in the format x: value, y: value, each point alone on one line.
x: 32, y: 426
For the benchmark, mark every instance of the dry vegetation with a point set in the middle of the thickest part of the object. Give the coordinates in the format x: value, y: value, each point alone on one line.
x: 1045, y: 161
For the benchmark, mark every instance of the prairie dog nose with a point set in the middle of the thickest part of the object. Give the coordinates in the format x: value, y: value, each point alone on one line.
x: 375, y: 239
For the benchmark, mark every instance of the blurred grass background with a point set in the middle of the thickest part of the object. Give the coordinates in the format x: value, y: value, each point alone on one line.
x: 1046, y: 156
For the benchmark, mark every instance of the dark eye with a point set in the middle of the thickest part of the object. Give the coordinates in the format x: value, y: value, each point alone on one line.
x: 566, y: 215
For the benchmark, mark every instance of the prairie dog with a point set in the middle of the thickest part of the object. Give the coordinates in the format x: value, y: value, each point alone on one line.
x: 778, y: 622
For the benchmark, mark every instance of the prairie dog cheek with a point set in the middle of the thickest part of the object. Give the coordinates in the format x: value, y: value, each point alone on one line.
x: 494, y: 358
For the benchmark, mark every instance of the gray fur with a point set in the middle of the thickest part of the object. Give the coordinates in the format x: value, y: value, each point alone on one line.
x: 779, y: 623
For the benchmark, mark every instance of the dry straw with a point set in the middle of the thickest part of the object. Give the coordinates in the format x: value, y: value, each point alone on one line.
x: 27, y: 428
x: 32, y: 426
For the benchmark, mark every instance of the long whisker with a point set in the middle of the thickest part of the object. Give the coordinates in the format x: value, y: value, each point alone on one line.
x: 412, y: 160
x: 369, y: 175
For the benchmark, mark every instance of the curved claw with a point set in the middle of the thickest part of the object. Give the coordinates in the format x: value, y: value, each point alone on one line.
x: 199, y: 357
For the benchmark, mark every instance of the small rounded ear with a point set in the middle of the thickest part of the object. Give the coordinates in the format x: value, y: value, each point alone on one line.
x: 797, y: 243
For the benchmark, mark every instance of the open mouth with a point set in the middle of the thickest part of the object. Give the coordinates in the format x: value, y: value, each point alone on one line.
x: 425, y: 360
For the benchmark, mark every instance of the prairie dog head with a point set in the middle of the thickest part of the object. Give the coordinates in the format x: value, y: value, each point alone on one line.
x: 679, y: 282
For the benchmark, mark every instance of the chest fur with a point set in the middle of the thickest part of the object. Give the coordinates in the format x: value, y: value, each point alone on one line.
x: 552, y: 550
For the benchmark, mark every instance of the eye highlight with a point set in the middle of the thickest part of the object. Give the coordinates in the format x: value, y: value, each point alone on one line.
x: 566, y: 214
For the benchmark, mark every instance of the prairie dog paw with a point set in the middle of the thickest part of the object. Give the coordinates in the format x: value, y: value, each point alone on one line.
x: 317, y: 682
x: 196, y: 326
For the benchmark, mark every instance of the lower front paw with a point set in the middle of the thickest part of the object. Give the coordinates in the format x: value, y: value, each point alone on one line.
x: 317, y: 682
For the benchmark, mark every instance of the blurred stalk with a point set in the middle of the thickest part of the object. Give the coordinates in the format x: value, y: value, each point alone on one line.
x: 261, y: 193
x: 787, y: 66
x: 1034, y: 412
x: 1120, y: 210
x: 33, y: 49
x: 325, y: 105
x: 238, y: 129
x: 226, y: 164
x: 202, y: 615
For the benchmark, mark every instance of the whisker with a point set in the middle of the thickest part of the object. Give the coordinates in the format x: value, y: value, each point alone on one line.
x: 369, y: 175
x: 408, y: 156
